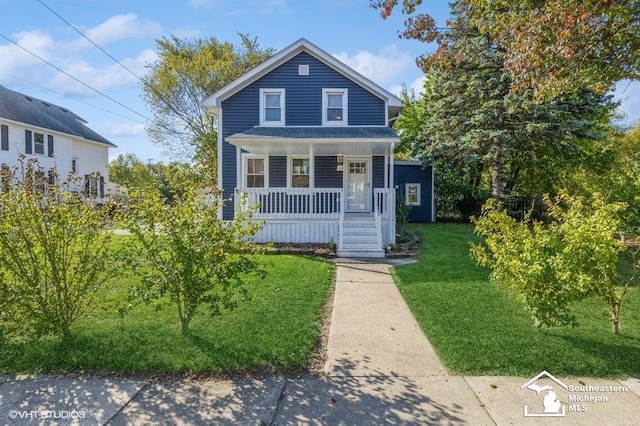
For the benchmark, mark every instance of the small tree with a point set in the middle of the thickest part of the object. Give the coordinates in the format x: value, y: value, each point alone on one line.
x: 572, y: 257
x: 186, y: 252
x: 54, y: 252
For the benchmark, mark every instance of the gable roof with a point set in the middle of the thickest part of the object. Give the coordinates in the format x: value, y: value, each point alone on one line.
x: 25, y: 109
x: 214, y: 101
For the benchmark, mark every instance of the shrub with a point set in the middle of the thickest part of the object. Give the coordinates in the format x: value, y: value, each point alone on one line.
x: 572, y: 257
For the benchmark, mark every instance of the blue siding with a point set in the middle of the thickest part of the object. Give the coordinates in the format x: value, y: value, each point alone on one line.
x: 404, y: 174
x: 277, y: 172
x: 377, y: 172
x: 303, y: 107
x: 326, y: 174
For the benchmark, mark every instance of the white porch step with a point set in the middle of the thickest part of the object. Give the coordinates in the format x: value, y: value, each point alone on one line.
x: 360, y: 238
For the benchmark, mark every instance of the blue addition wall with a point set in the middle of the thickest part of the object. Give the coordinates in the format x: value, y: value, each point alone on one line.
x: 414, y: 173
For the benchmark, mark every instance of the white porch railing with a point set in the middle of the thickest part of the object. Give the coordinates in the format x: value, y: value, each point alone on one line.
x: 384, y: 210
x: 295, y: 203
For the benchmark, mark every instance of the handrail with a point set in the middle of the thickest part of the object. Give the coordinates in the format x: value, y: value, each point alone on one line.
x: 341, y: 221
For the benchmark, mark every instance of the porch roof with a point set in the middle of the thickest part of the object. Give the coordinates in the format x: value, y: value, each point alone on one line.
x: 325, y: 140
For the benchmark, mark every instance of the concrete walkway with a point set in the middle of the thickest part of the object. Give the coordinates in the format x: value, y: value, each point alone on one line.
x: 380, y: 369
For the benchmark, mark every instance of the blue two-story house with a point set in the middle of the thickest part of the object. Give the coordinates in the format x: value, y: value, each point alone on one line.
x: 308, y: 140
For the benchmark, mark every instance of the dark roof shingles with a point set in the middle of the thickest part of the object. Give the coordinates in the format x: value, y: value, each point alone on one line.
x: 26, y: 109
x: 317, y: 132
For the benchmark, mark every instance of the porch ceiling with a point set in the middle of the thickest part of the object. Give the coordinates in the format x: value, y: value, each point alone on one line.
x: 325, y: 141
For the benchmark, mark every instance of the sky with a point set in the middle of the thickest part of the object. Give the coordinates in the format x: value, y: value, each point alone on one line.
x: 128, y: 29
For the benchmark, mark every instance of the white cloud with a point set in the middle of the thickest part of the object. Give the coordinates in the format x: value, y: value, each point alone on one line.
x: 101, y: 78
x: 382, y: 67
x: 126, y: 129
x: 76, y: 57
x: 274, y: 6
x: 417, y: 86
x: 121, y: 27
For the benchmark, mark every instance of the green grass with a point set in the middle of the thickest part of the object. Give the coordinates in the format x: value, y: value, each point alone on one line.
x: 479, y: 328
x: 275, y: 329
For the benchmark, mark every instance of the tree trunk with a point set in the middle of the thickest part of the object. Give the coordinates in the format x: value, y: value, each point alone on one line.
x: 497, y: 170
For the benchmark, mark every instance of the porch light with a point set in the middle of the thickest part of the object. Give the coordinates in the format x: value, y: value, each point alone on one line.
x: 339, y: 159
x: 339, y: 168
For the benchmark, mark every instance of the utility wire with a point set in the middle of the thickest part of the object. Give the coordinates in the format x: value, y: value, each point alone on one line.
x: 76, y: 79
x: 90, y: 41
x: 71, y: 98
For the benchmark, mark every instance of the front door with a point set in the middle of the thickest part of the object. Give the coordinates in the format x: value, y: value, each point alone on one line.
x: 357, y: 183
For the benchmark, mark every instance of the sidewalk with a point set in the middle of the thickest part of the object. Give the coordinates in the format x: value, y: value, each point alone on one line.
x: 380, y: 369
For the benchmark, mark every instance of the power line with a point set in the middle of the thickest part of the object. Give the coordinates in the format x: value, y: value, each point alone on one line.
x: 75, y: 78
x: 69, y: 97
x: 90, y: 41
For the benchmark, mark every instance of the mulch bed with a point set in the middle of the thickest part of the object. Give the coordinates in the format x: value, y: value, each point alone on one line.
x: 407, y: 247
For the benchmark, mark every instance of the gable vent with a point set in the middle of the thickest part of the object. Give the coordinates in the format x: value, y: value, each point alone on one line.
x: 303, y: 69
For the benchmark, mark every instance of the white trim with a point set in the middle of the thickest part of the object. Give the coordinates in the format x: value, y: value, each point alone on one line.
x: 345, y: 174
x: 214, y: 101
x: 247, y: 155
x: 263, y: 118
x: 312, y: 167
x: 345, y: 107
x: 219, y: 165
x: 239, y: 168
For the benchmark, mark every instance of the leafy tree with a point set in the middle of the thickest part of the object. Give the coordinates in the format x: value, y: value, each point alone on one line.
x: 553, y: 47
x: 186, y: 72
x: 55, y: 252
x: 469, y: 116
x: 574, y: 256
x: 617, y: 178
x: 129, y: 171
x: 184, y: 251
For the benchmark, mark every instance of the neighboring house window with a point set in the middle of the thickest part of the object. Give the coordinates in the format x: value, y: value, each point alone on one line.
x: 272, y: 107
x: 300, y: 173
x: 334, y: 107
x: 412, y: 194
x: 255, y: 172
x: 28, y: 142
x: 90, y: 186
x: 4, y: 137
x: 50, y: 145
x: 75, y: 166
x: 38, y: 142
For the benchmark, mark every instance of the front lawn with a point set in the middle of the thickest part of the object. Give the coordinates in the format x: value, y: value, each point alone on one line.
x: 275, y: 328
x: 478, y: 328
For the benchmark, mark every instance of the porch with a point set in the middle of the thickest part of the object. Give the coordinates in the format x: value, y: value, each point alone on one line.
x: 319, y: 215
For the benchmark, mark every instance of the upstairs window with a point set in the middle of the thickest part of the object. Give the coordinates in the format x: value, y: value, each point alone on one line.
x: 272, y: 107
x: 334, y: 107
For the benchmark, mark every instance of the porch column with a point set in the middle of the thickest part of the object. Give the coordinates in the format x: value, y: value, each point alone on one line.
x: 386, y: 171
x: 392, y: 195
x: 236, y: 199
x: 312, y: 168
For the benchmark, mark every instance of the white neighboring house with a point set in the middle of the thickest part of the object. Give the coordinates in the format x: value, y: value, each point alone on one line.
x: 57, y: 137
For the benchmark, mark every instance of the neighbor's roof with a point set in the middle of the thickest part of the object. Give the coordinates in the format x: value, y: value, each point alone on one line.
x: 213, y: 102
x: 25, y: 109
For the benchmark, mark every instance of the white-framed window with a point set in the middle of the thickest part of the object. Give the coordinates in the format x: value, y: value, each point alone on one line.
x: 299, y: 173
x: 335, y: 111
x: 75, y: 166
x: 272, y: 109
x: 255, y: 172
x: 412, y: 194
x: 38, y: 143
